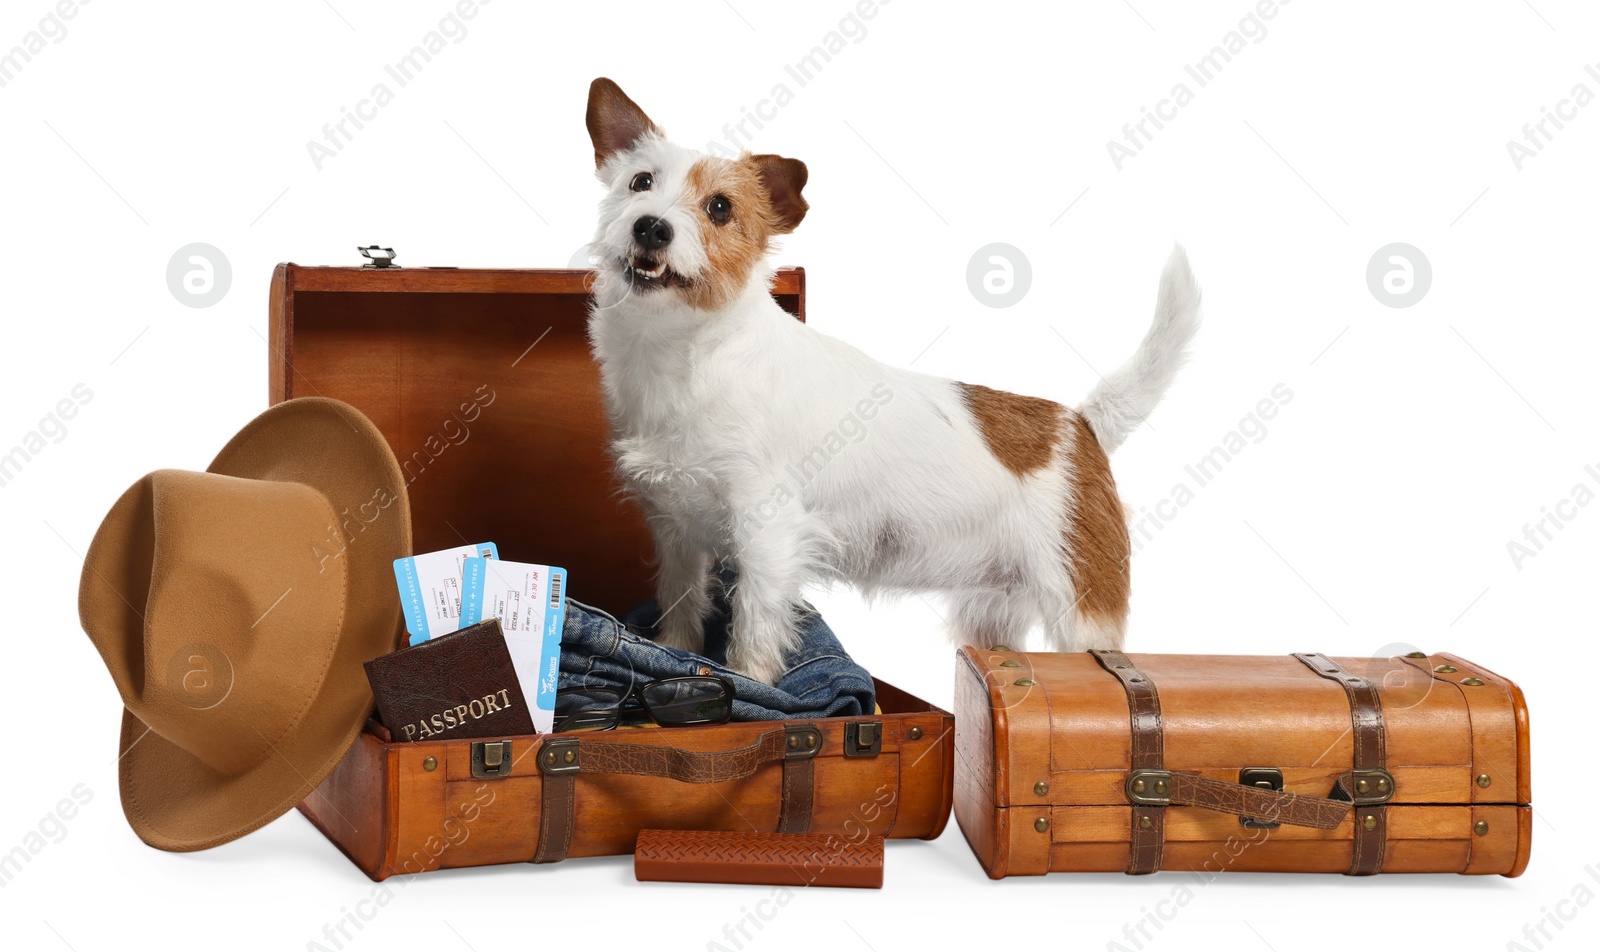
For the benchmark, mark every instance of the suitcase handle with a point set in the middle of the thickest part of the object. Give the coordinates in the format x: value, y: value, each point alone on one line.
x: 562, y: 757
x: 1159, y: 788
x: 569, y: 755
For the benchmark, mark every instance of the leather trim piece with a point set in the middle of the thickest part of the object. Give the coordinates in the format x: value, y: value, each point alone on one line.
x: 1366, y: 719
x: 555, y: 818
x: 799, y: 792
x: 1144, y: 717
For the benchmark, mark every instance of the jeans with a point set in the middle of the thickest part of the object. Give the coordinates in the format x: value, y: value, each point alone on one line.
x: 819, y: 678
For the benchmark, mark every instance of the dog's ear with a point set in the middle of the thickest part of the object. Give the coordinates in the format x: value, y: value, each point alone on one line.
x: 783, y: 179
x: 615, y: 122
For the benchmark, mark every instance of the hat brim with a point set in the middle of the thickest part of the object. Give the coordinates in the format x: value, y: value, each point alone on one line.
x: 174, y: 801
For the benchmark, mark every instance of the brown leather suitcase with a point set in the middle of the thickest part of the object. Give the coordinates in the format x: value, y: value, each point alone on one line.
x: 483, y: 383
x: 1104, y: 762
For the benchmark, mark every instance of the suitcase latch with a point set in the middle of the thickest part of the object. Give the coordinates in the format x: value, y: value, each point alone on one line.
x: 863, y: 738
x: 1267, y: 778
x: 491, y: 758
x: 377, y: 256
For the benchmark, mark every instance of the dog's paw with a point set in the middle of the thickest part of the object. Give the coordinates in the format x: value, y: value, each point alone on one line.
x: 763, y: 666
x: 682, y: 631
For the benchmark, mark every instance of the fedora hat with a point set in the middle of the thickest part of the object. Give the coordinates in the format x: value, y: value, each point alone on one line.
x: 234, y: 609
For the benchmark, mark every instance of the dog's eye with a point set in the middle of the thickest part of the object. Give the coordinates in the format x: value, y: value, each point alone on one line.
x: 719, y: 209
x: 642, y: 182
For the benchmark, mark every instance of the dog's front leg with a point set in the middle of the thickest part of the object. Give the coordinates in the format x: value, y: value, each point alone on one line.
x: 681, y: 591
x: 766, y: 596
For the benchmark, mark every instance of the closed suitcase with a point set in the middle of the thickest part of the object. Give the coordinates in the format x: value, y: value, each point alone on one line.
x: 483, y: 384
x: 1104, y: 762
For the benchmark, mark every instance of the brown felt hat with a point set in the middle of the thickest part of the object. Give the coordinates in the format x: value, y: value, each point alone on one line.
x: 234, y: 609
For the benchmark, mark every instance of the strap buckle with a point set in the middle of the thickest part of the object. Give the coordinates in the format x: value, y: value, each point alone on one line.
x: 1150, y: 788
x: 559, y: 755
x: 801, y: 741
x: 1364, y: 788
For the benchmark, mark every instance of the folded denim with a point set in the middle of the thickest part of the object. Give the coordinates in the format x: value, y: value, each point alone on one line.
x: 819, y: 679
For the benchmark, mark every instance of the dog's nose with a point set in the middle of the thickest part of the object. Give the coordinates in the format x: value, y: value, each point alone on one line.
x: 652, y: 232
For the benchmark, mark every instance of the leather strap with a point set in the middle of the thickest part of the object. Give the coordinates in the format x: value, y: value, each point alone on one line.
x: 562, y: 757
x: 1366, y: 718
x: 1144, y: 716
x: 1189, y: 790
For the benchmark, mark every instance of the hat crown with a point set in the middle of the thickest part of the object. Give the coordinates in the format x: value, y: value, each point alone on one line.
x: 232, y: 629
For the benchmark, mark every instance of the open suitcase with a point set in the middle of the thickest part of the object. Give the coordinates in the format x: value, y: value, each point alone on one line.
x: 1105, y: 762
x: 483, y: 383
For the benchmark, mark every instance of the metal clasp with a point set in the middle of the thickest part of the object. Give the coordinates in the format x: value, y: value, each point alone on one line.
x: 1364, y: 788
x: 801, y: 741
x: 863, y: 738
x: 491, y: 758
x: 1150, y: 788
x: 1267, y: 778
x: 559, y: 755
x: 377, y: 256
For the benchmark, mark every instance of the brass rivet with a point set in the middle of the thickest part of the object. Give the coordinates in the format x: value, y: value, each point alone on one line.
x: 1369, y: 823
x: 570, y: 756
x: 1362, y: 786
x: 811, y: 740
x: 1481, y: 827
x: 1484, y: 780
x: 1144, y: 823
x: 550, y: 757
x: 1025, y: 682
x: 1137, y: 680
x: 794, y: 742
x: 1446, y: 669
x: 1000, y: 648
x: 1383, y: 785
x: 1041, y: 788
x: 1417, y: 654
x: 1138, y: 786
x: 1041, y: 824
x: 1011, y: 664
x: 1472, y: 682
x: 431, y: 764
x: 1161, y: 788
x: 914, y: 733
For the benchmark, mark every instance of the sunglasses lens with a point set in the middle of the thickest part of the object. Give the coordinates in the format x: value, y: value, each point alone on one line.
x: 589, y: 709
x: 689, y: 701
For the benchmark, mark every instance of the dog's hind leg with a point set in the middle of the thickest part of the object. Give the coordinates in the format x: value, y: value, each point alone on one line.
x: 990, y: 617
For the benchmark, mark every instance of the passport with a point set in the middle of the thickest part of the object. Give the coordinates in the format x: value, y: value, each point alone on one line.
x: 456, y: 685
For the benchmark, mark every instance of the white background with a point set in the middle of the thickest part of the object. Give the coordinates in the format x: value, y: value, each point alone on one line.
x: 1375, y: 511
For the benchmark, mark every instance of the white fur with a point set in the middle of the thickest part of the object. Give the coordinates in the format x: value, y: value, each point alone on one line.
x: 715, y: 414
x: 1123, y: 400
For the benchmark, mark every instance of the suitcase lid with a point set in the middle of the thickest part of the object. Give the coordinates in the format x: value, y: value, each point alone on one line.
x: 483, y: 383
x: 1455, y: 732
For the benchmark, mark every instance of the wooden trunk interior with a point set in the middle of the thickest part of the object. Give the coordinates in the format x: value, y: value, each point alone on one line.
x: 483, y: 383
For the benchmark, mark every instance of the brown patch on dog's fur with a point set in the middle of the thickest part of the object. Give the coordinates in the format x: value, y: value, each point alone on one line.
x: 1096, y: 534
x: 733, y: 248
x: 1021, y: 431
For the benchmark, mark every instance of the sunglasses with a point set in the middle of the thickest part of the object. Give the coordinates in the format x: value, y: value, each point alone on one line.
x: 670, y: 702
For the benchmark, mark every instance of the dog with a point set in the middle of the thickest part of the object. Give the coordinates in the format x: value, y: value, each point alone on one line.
x: 751, y: 439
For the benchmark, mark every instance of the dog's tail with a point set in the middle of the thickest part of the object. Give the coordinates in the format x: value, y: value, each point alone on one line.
x: 1124, y: 398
